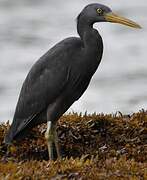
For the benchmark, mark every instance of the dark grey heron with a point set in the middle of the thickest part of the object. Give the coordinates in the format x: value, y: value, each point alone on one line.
x: 61, y: 76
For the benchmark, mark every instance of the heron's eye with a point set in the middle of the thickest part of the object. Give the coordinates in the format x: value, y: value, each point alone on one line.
x: 99, y: 11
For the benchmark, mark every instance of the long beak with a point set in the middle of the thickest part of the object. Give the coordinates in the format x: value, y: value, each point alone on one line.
x: 111, y: 17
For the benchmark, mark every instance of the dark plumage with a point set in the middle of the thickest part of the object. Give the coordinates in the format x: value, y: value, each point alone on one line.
x: 61, y: 76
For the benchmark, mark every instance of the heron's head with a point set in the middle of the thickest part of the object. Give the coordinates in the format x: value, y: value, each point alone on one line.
x: 100, y: 13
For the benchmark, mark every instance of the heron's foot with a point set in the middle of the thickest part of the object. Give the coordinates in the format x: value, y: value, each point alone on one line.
x: 52, y: 142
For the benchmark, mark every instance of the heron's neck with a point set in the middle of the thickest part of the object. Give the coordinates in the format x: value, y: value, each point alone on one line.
x: 89, y: 36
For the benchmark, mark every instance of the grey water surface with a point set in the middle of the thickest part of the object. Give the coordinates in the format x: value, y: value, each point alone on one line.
x: 28, y: 28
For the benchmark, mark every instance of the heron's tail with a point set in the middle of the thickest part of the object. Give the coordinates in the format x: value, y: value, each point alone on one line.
x: 12, y: 132
x: 8, y: 137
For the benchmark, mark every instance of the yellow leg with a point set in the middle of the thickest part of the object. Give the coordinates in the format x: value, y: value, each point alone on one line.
x: 52, y: 139
x: 57, y: 144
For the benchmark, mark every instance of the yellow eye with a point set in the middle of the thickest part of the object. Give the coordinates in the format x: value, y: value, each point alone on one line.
x: 99, y: 11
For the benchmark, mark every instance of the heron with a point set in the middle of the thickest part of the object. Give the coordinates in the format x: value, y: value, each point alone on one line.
x: 61, y: 76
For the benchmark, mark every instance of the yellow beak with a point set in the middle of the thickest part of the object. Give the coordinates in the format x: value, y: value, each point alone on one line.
x: 111, y: 17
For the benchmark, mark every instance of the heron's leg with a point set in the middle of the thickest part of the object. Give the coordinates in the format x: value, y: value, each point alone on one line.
x: 49, y: 135
x: 56, y: 144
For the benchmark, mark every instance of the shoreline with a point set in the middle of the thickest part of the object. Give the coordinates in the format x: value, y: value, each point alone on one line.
x: 94, y: 146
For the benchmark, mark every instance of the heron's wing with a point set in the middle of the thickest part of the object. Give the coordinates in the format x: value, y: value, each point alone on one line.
x: 43, y: 85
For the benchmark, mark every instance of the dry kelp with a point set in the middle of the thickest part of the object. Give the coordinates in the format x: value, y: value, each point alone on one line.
x: 93, y: 147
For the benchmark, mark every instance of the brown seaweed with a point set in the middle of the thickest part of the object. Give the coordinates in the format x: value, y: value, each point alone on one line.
x: 93, y: 146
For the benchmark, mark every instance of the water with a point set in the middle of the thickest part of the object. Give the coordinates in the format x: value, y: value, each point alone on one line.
x: 28, y: 28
